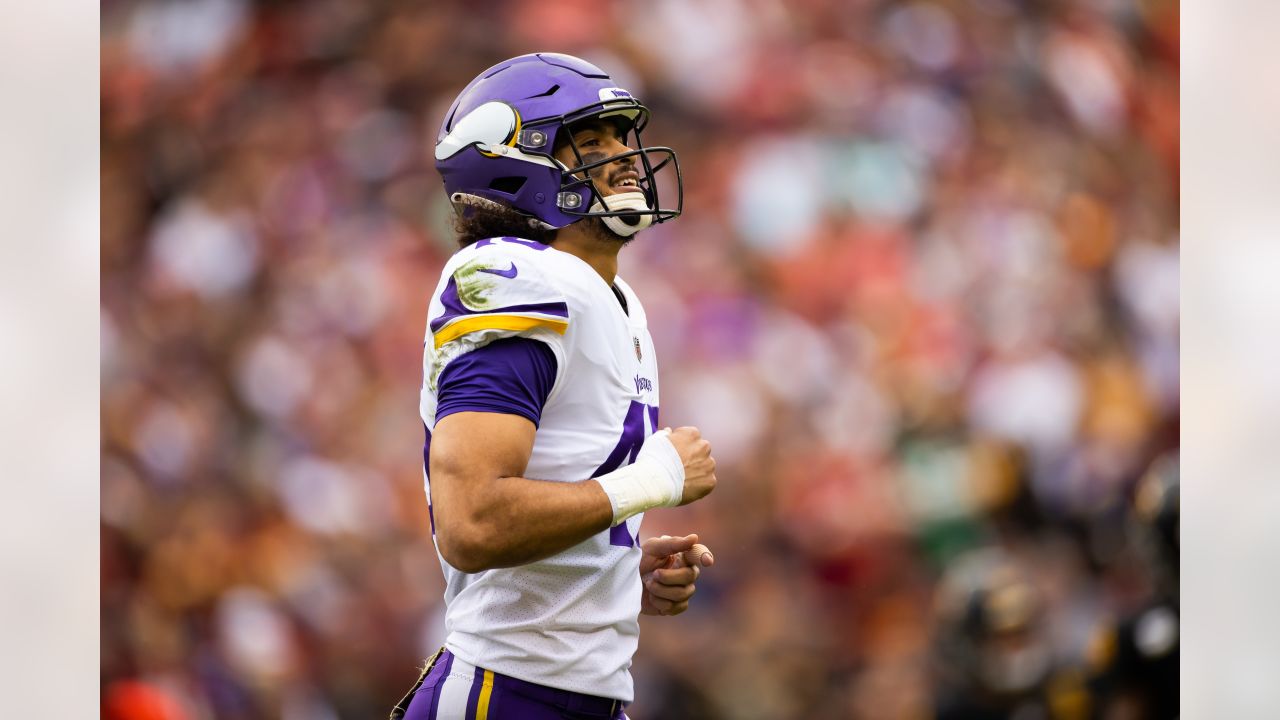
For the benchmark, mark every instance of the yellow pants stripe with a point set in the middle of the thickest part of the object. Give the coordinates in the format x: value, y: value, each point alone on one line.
x: 486, y: 689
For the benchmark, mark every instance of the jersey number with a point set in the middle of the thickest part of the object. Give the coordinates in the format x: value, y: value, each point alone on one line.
x: 640, y: 422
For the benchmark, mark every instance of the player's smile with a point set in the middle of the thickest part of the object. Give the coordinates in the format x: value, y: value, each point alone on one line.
x: 626, y: 181
x: 618, y: 180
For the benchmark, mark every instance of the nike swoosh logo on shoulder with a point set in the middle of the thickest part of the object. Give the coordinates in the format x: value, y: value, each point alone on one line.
x: 508, y: 273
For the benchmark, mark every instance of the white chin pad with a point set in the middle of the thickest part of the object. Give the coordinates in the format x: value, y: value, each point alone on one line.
x: 625, y: 225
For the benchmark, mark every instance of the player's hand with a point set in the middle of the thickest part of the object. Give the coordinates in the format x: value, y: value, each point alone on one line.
x: 669, y: 568
x: 699, y: 466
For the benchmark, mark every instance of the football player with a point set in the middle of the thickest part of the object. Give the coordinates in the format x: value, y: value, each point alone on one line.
x: 540, y: 400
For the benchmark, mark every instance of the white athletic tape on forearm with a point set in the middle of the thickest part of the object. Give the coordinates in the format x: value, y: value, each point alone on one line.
x: 655, y: 479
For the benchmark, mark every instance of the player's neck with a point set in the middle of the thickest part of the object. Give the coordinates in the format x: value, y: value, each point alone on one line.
x: 601, y: 254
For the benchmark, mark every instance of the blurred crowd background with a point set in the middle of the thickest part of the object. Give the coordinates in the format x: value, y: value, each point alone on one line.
x: 923, y: 301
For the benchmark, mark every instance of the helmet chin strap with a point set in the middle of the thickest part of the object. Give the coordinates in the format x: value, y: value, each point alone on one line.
x: 625, y: 225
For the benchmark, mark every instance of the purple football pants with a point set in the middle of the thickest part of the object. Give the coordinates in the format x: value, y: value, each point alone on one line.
x: 452, y: 689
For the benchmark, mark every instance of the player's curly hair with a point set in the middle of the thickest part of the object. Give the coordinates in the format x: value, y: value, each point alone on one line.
x: 474, y: 223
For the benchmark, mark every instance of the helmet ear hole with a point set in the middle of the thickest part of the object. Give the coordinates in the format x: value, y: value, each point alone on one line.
x: 509, y: 185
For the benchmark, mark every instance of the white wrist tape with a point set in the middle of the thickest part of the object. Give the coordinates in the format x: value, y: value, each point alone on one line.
x: 655, y: 479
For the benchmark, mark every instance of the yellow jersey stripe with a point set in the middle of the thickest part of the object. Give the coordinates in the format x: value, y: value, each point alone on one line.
x: 514, y: 323
x: 486, y: 689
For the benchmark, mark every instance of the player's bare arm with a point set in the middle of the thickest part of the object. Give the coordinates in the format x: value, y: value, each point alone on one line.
x: 490, y: 516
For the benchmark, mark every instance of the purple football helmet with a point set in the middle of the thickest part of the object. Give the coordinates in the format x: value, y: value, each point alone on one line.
x: 497, y: 140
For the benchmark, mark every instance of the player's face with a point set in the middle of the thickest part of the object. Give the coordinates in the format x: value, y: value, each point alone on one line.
x: 597, y: 140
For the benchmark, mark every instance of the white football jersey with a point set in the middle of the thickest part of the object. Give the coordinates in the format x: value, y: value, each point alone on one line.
x: 569, y: 621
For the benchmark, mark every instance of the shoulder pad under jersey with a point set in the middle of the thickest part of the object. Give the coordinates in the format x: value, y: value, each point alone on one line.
x: 497, y: 288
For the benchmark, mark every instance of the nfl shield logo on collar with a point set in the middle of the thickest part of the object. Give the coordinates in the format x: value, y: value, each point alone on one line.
x: 636, y: 340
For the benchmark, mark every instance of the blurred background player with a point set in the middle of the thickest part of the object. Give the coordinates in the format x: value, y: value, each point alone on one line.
x: 995, y: 657
x: 1136, y: 660
x: 538, y: 364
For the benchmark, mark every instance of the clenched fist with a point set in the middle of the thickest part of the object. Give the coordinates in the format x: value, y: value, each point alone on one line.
x: 699, y: 466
